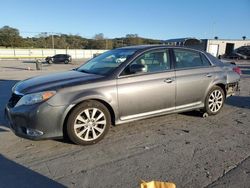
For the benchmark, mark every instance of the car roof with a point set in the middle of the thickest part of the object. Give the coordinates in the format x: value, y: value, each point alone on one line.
x: 141, y: 47
x: 61, y: 54
x: 148, y: 47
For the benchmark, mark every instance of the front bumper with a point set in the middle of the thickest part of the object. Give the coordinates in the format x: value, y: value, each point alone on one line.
x: 42, y: 117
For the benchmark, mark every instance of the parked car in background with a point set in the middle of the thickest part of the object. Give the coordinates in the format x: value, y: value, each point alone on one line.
x: 59, y: 58
x: 242, y: 52
x: 119, y: 86
x: 228, y: 61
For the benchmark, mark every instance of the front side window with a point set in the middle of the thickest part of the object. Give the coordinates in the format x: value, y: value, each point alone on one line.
x: 106, y: 62
x: 156, y: 61
x: 189, y: 59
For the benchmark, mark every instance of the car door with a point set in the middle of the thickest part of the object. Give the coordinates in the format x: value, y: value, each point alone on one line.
x: 61, y: 58
x: 56, y: 58
x: 150, y: 91
x: 194, y: 74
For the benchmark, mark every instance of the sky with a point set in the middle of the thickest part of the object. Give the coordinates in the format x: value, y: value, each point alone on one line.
x: 157, y: 19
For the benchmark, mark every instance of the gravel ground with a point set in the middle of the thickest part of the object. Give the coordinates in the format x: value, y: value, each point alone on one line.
x: 182, y: 148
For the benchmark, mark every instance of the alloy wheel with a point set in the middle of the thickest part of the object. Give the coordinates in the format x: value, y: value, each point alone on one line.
x: 215, y: 101
x: 90, y: 124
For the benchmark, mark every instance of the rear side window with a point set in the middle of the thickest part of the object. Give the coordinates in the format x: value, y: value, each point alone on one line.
x: 189, y: 59
x: 205, y: 60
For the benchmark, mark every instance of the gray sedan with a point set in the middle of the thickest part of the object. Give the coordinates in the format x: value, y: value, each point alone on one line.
x: 118, y: 86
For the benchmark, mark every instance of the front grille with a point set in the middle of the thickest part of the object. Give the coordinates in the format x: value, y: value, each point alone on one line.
x: 14, y: 99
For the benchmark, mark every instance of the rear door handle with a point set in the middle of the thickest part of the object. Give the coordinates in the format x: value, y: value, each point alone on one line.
x: 169, y: 80
x: 209, y: 75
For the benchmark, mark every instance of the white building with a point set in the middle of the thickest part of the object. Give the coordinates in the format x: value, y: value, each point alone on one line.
x: 214, y: 46
x: 223, y: 46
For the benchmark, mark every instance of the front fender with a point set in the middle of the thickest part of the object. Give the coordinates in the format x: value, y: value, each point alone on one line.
x: 91, y: 95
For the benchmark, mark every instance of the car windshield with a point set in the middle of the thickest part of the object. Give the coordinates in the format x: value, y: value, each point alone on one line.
x: 106, y: 62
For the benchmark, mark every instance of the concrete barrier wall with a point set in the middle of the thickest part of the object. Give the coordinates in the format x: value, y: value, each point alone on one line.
x: 11, y: 53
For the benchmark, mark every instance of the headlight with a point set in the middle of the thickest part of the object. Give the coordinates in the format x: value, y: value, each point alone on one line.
x: 34, y: 98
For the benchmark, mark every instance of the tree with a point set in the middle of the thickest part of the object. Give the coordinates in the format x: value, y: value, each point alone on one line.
x: 75, y: 41
x: 132, y: 36
x: 9, y: 37
x: 99, y: 36
x: 133, y: 39
x: 99, y: 42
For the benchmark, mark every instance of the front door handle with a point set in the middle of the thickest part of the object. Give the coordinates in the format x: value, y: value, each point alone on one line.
x: 169, y: 80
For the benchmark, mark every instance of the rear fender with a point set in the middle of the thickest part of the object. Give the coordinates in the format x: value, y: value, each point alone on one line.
x: 221, y: 82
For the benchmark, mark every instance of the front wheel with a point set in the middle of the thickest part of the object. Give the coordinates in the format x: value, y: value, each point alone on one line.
x: 50, y: 61
x: 214, y: 100
x: 88, y: 123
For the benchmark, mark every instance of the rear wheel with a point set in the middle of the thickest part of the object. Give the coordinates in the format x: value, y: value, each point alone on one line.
x: 88, y: 123
x: 66, y: 61
x: 214, y: 100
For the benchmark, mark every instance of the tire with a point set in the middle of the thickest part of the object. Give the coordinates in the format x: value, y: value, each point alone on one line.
x: 66, y: 61
x: 88, y: 123
x: 215, y: 100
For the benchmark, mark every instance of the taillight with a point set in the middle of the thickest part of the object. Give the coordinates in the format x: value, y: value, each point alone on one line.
x: 237, y: 70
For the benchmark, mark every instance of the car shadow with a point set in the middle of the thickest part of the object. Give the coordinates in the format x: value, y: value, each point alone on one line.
x: 29, y: 61
x: 5, y: 87
x: 236, y: 101
x: 15, y: 68
x: 245, y: 69
x: 44, y: 63
x: 239, y: 101
x: 64, y: 141
x: 16, y: 175
x: 194, y: 113
x: 33, y: 61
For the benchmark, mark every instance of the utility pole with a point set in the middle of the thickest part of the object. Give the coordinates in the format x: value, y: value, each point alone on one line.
x: 53, y: 44
x: 213, y: 29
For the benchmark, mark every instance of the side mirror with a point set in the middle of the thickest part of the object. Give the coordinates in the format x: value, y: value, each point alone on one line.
x: 74, y: 69
x: 137, y: 68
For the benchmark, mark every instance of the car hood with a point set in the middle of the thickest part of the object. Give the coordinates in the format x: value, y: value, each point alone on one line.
x: 54, y: 81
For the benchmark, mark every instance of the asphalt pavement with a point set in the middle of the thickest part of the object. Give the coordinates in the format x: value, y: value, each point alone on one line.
x: 185, y: 148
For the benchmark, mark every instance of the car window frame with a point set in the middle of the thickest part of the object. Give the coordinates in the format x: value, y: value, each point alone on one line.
x: 188, y: 68
x: 167, y: 50
x: 208, y: 60
x: 57, y: 56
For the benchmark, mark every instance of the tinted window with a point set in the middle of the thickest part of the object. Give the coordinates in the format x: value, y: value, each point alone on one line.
x: 153, y: 62
x: 214, y: 59
x: 188, y: 59
x: 205, y: 60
